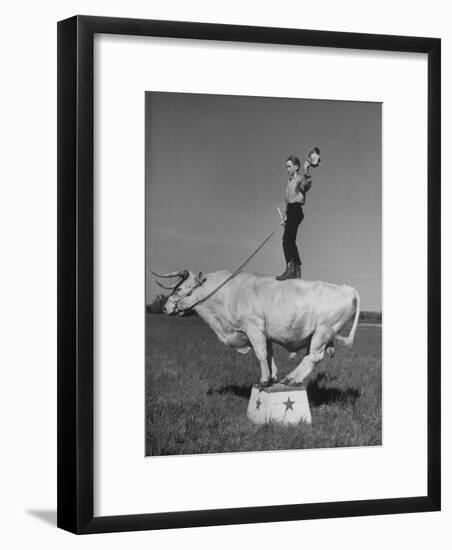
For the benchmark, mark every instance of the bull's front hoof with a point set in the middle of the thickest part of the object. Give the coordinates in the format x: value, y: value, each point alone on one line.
x: 265, y: 384
x: 291, y: 382
x: 286, y: 381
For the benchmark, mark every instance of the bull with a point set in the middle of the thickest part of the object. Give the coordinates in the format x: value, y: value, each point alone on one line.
x: 256, y: 311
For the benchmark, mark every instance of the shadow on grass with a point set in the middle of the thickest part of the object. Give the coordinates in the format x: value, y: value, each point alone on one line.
x: 239, y: 391
x: 319, y: 394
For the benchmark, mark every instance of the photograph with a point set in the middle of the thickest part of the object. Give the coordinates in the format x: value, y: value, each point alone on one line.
x: 239, y: 219
x: 263, y: 219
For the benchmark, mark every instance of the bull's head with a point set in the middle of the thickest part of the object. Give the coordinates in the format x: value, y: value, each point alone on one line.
x: 185, y: 292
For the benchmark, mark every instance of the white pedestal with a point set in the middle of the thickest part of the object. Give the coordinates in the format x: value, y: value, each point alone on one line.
x: 279, y: 403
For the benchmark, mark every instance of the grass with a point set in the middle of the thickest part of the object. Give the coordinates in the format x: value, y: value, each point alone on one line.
x: 197, y: 392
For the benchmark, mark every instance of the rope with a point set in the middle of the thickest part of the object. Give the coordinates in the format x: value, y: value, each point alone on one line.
x: 237, y: 270
x: 313, y: 159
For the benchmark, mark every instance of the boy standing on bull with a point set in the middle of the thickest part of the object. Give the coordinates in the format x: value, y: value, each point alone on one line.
x: 297, y: 187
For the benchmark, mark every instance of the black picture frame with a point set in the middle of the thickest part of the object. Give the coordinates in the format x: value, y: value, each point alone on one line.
x: 75, y: 273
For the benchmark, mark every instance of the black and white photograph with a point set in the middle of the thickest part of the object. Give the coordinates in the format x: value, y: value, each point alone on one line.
x: 225, y: 256
x: 263, y: 220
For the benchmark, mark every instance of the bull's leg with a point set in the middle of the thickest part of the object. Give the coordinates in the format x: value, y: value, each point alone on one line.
x: 321, y: 337
x: 259, y: 343
x: 271, y: 362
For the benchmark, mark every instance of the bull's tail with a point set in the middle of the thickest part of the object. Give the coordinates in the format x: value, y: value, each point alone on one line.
x: 348, y: 340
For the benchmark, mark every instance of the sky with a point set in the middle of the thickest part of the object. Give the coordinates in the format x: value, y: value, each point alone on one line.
x: 215, y: 175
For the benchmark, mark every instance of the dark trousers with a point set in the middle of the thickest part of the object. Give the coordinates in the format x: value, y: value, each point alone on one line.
x: 294, y: 212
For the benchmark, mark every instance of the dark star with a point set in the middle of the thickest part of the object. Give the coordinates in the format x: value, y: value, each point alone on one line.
x: 289, y: 404
x: 258, y: 404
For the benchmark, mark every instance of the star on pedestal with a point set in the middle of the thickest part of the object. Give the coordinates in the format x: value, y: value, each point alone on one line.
x: 258, y: 403
x: 289, y: 404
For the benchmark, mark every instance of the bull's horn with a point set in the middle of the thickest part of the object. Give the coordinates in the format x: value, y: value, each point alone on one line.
x: 172, y: 274
x: 168, y: 287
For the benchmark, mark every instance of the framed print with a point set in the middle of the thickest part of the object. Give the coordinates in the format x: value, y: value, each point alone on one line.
x: 283, y: 187
x: 207, y: 233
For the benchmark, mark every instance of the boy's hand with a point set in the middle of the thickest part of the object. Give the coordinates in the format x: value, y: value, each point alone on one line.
x: 283, y: 219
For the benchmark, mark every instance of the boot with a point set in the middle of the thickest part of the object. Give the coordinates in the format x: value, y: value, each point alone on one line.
x: 297, y: 271
x: 289, y: 273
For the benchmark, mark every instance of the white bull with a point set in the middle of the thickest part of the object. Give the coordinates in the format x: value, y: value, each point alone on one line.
x: 255, y: 311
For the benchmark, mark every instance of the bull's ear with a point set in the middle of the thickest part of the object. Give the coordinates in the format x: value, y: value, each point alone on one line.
x: 200, y: 277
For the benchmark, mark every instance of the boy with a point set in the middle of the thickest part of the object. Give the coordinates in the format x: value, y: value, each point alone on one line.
x: 297, y: 186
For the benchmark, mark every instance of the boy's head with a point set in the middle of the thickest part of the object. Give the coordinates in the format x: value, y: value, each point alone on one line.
x: 292, y: 165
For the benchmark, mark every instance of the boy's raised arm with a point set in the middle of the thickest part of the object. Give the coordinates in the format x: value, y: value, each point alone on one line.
x: 305, y: 183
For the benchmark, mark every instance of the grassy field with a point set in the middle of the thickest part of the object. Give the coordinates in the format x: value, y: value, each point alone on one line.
x: 197, y: 392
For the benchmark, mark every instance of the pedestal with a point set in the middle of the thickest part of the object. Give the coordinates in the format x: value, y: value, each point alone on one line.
x: 279, y: 403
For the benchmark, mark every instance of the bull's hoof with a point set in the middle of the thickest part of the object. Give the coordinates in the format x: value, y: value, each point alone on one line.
x: 265, y: 384
x: 291, y: 382
x: 292, y: 356
x: 287, y: 381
